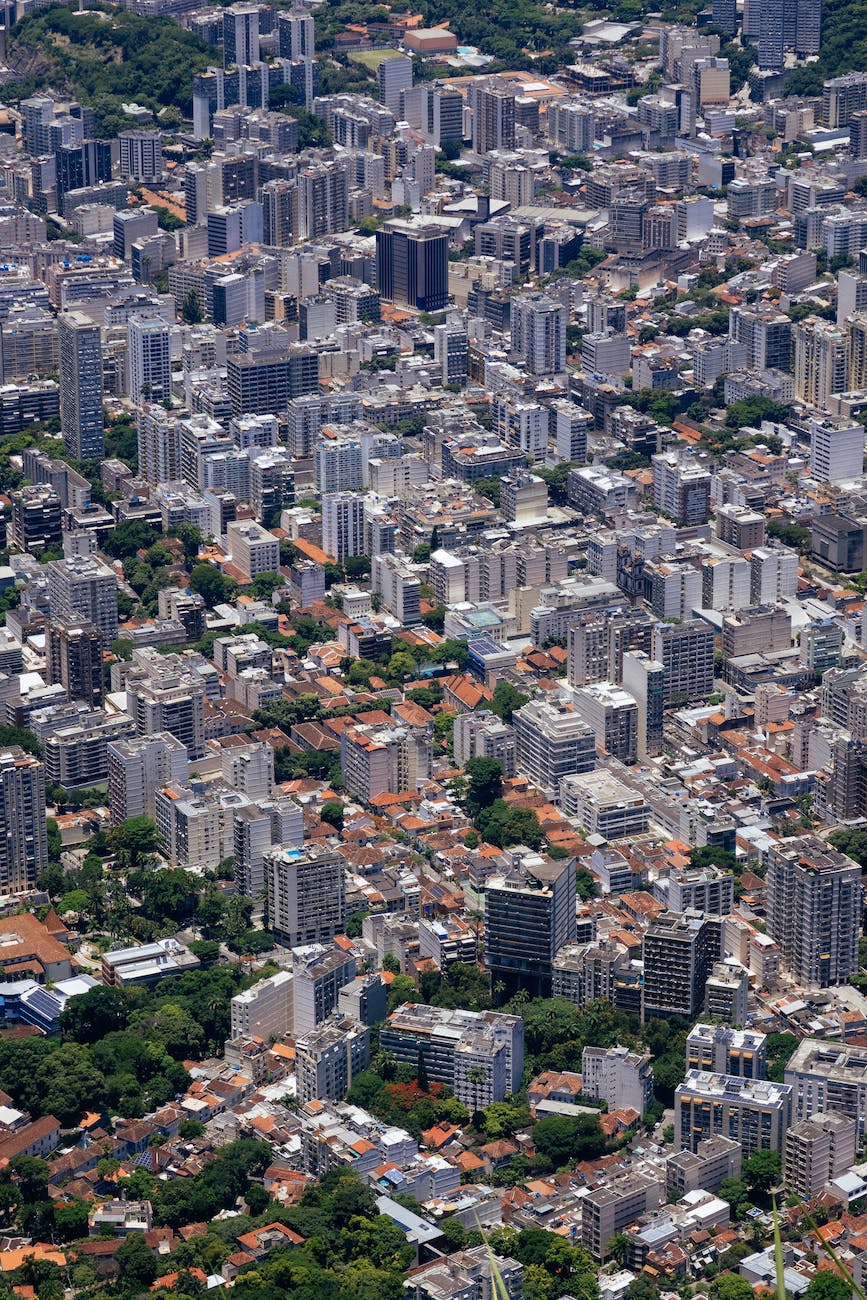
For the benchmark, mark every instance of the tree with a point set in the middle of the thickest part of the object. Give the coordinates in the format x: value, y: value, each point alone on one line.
x: 618, y: 1248
x: 826, y: 1285
x: 137, y: 1262
x: 507, y: 698
x: 88, y: 1017
x: 484, y: 783
x: 214, y: 587
x: 731, y: 1287
x: 129, y: 537
x: 134, y: 839
x: 761, y: 1171
x: 191, y: 312
x: 332, y: 812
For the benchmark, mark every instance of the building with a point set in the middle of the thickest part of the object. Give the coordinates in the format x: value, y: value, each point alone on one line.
x: 713, y: 1161
x: 836, y: 450
x: 588, y: 972
x: 622, y: 1078
x: 821, y: 362
x: 384, y: 759
x: 816, y: 1150
x: 149, y: 366
x: 681, y: 487
x: 23, y: 833
x: 726, y: 993
x: 141, y: 156
x: 828, y: 1077
x: 74, y: 659
x: 164, y: 694
x: 698, y: 889
x: 552, y: 741
x: 719, y: 1049
x: 258, y: 828
x: 81, y: 414
x: 539, y: 333
x: 606, y: 1211
x: 479, y: 1054
x: 529, y: 916
x: 343, y: 526
x: 814, y: 910
x: 773, y: 575
x: 679, y: 952
x: 137, y: 767
x: 612, y: 715
x: 493, y: 105
x: 603, y: 805
x: 84, y: 588
x: 474, y: 1274
x: 394, y: 74
x: 328, y: 1058
x: 253, y: 549
x: 266, y: 1010
x: 412, y: 265
x: 36, y: 522
x: 306, y: 894
x: 319, y: 980
x: 754, y: 1112
x: 685, y: 651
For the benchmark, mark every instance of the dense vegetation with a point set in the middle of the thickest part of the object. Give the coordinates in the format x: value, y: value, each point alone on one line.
x: 109, y: 57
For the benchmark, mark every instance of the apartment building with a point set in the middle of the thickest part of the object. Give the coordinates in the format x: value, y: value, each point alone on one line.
x: 433, y: 1034
x: 814, y: 910
x: 619, y: 1076
x: 719, y: 1049
x: 529, y: 916
x: 306, y: 894
x: 755, y: 1112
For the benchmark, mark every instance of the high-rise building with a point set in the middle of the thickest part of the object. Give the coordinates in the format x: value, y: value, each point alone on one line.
x: 612, y: 715
x: 539, y: 333
x: 816, y: 1150
x: 685, y: 651
x: 836, y: 450
x: 36, y: 523
x: 23, y: 831
x: 328, y: 1058
x: 164, y: 694
x: 529, y: 916
x: 644, y: 680
x: 814, y: 910
x: 342, y: 525
x: 81, y: 415
x: 394, y: 75
x: 258, y: 828
x: 821, y: 361
x: 615, y: 1074
x: 74, y: 659
x: 719, y: 1049
x: 754, y: 1112
x: 240, y: 33
x: 84, y: 588
x: 552, y: 741
x: 679, y: 952
x: 254, y: 549
x: 149, y: 359
x: 724, y: 16
x: 137, y: 767
x: 493, y: 105
x: 306, y: 894
x: 773, y: 574
x: 681, y: 487
x: 829, y: 1077
x: 141, y: 156
x: 451, y: 1042
x: 412, y: 265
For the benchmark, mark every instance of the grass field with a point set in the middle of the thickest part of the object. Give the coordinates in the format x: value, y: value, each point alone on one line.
x: 371, y: 59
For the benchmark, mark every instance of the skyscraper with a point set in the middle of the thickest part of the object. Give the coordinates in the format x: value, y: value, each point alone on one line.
x: 493, y: 105
x: 679, y: 952
x: 393, y: 76
x: 23, y: 832
x: 81, y: 414
x: 306, y: 894
x: 137, y: 767
x: 74, y: 658
x: 84, y: 588
x: 529, y: 916
x: 814, y: 910
x: 539, y: 333
x: 149, y: 361
x: 412, y: 265
x: 240, y: 34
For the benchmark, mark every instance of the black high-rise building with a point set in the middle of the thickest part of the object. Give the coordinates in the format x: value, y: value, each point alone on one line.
x: 412, y: 265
